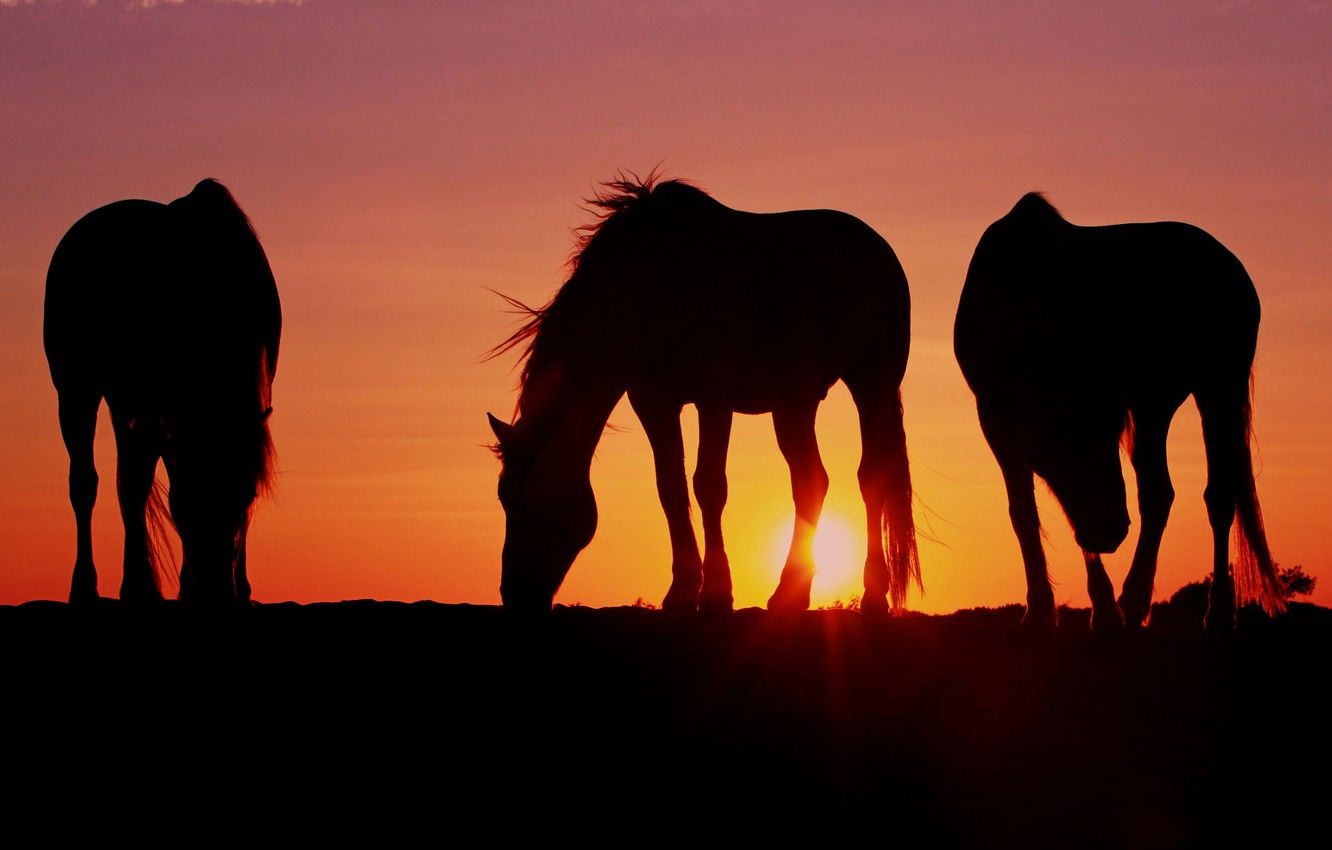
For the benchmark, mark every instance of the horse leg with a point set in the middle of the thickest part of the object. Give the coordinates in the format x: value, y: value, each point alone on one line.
x: 1224, y: 437
x: 136, y: 464
x: 78, y: 426
x: 662, y: 424
x: 809, y: 486
x: 1105, y: 613
x: 1018, y: 483
x: 714, y: 436
x: 1155, y: 496
x: 882, y: 446
x: 242, y: 579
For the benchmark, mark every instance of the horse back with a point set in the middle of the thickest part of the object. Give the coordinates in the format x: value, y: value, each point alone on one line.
x: 772, y: 305
x: 105, y: 288
x: 140, y: 295
x: 1140, y: 304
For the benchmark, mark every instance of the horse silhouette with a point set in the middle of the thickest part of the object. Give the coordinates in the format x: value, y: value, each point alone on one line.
x: 676, y: 299
x: 170, y: 313
x: 1075, y: 338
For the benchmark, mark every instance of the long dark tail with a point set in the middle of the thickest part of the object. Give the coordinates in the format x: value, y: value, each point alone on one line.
x: 899, y: 526
x: 161, y: 557
x: 1255, y: 574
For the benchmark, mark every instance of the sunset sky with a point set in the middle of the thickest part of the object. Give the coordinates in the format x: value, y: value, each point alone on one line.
x: 400, y: 159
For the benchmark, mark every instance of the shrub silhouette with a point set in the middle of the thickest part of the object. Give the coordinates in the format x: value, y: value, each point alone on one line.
x: 1187, y: 606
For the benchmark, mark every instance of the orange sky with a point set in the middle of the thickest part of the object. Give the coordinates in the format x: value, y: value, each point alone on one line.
x: 397, y: 159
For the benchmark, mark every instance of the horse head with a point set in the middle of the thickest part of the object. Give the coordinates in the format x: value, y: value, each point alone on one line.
x: 219, y: 465
x: 550, y: 514
x: 1073, y: 444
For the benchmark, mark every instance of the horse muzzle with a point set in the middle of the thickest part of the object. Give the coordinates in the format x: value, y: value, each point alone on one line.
x: 1104, y: 540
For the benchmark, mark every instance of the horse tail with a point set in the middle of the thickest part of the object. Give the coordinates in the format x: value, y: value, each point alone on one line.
x: 213, y: 202
x: 161, y: 557
x: 899, y: 527
x: 1256, y: 576
x: 267, y: 456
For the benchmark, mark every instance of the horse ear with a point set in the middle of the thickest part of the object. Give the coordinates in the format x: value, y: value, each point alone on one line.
x: 503, y: 430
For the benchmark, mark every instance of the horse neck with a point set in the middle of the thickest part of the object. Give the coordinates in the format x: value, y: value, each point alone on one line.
x: 570, y: 411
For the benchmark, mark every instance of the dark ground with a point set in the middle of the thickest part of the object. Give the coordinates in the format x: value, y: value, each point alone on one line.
x: 623, y: 725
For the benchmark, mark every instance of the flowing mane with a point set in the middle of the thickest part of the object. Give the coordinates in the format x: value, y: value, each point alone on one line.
x: 617, y: 206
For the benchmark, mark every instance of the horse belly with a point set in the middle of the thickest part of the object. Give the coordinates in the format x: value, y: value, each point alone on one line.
x: 740, y: 383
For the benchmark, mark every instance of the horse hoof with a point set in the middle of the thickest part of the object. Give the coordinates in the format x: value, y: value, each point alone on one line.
x: 1219, y: 619
x: 680, y: 603
x: 140, y: 594
x: 715, y: 597
x: 716, y: 605
x: 1039, y: 619
x: 874, y: 605
x: 219, y: 599
x: 788, y: 600
x: 1107, y: 620
x: 1133, y: 613
x: 1135, y: 604
x: 83, y: 584
x: 81, y: 595
x: 1220, y: 615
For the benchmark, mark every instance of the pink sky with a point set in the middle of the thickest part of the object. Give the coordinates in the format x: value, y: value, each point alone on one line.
x: 399, y: 158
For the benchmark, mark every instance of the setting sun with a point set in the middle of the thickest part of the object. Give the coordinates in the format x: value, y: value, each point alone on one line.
x: 839, y: 553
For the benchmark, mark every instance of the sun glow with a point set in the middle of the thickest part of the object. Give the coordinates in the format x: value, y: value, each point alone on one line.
x: 839, y: 555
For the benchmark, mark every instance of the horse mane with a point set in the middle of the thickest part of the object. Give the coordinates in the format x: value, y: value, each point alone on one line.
x: 616, y: 206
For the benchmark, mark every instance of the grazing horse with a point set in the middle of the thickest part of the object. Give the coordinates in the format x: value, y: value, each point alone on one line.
x: 170, y: 313
x: 1073, y: 338
x: 676, y: 299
